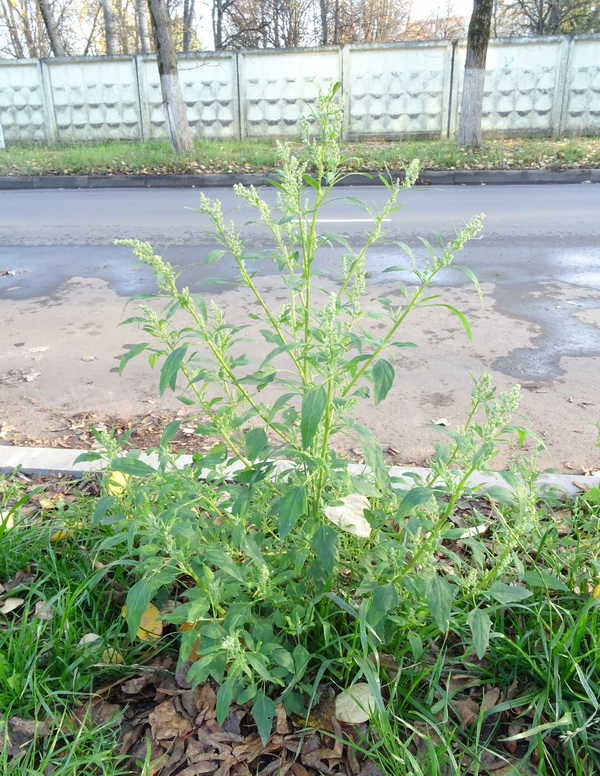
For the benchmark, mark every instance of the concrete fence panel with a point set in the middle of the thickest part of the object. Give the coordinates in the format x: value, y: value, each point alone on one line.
x: 398, y: 90
x: 94, y: 98
x: 582, y: 102
x: 22, y: 103
x: 523, y: 87
x: 277, y: 86
x: 209, y: 87
x: 534, y: 86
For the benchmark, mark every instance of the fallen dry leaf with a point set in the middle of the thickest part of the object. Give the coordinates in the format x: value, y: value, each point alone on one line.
x: 166, y: 722
x: 356, y: 704
x: 10, y: 604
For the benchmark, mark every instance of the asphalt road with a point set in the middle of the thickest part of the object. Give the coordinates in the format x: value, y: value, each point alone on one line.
x: 538, y: 261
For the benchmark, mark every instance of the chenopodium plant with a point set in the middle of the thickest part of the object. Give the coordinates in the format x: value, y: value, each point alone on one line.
x: 281, y: 556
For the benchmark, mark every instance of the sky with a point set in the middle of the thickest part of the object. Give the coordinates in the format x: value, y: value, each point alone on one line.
x: 423, y: 8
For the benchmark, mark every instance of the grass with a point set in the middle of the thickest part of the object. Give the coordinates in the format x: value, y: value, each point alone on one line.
x: 236, y: 157
x: 541, y: 672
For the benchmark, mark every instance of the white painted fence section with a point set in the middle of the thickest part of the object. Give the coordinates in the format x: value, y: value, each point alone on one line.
x: 543, y: 86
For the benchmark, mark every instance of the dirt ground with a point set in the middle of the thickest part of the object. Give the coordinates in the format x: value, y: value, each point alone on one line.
x: 59, y: 374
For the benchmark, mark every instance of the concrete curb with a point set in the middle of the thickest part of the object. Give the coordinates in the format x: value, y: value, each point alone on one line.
x: 40, y: 461
x: 427, y: 178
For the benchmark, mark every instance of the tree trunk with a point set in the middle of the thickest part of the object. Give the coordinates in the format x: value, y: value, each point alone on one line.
x: 217, y: 24
x: 9, y: 18
x: 178, y: 128
x: 323, y: 7
x: 56, y: 43
x: 188, y: 24
x: 142, y: 20
x: 109, y: 27
x: 469, y: 125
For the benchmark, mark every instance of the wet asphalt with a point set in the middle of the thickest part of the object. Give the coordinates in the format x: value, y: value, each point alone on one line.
x: 536, y: 239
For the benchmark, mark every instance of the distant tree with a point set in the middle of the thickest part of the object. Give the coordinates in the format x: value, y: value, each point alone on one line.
x: 142, y: 25
x: 56, y: 43
x: 469, y: 126
x: 180, y: 137
x: 109, y: 27
x: 548, y: 17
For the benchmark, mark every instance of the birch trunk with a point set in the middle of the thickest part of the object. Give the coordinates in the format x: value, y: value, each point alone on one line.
x: 469, y: 124
x: 142, y: 19
x: 178, y: 128
x: 56, y: 43
x: 109, y: 27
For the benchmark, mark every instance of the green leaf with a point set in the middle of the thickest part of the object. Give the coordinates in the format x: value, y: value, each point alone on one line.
x: 169, y: 370
x: 383, y: 378
x: 480, y: 625
x: 385, y: 597
x: 225, y: 696
x: 361, y: 204
x: 256, y: 441
x: 170, y: 432
x: 313, y: 407
x: 543, y: 578
x: 214, y: 256
x: 289, y: 508
x: 263, y: 711
x: 508, y: 594
x: 222, y: 561
x: 413, y: 498
x: 132, y: 353
x: 373, y: 454
x: 132, y: 466
x: 440, y: 597
x: 324, y: 543
x: 137, y: 602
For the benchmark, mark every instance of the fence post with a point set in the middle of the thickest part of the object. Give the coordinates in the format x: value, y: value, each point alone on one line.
x: 561, y: 93
x: 344, y: 69
x: 138, y: 86
x: 48, y: 101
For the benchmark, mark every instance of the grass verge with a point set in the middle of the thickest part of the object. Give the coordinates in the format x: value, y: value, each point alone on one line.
x: 238, y: 157
x: 527, y: 706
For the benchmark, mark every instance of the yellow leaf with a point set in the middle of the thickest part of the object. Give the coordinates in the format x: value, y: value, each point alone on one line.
x: 117, y: 483
x: 151, y: 626
x: 596, y: 593
x: 65, y: 531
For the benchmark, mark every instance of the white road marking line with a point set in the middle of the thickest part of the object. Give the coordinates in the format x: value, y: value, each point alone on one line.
x: 347, y: 220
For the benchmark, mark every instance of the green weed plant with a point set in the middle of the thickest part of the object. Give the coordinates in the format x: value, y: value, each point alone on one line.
x: 285, y: 569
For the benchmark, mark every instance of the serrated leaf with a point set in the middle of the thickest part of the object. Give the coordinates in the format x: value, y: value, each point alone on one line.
x: 543, y: 578
x: 413, y: 498
x: 263, y: 711
x: 383, y: 379
x: 324, y: 543
x: 290, y: 508
x: 256, y: 441
x: 508, y: 594
x: 440, y: 597
x: 313, y: 407
x: 480, y: 625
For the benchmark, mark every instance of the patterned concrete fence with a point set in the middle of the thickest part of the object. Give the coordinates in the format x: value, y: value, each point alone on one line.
x: 544, y: 86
